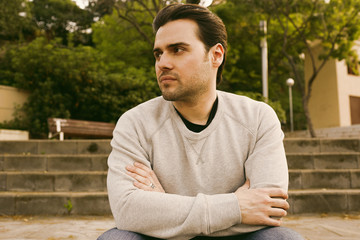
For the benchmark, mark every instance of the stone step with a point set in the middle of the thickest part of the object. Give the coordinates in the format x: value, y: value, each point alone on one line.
x: 96, y: 203
x: 93, y: 146
x: 54, y: 203
x: 53, y: 181
x: 352, y: 131
x: 96, y: 180
x: 292, y: 145
x: 324, y: 201
x: 53, y: 163
x: 328, y: 179
x: 333, y: 160
x: 98, y: 162
x: 317, y: 145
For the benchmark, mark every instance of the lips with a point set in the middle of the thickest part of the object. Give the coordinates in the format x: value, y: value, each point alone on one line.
x: 167, y: 77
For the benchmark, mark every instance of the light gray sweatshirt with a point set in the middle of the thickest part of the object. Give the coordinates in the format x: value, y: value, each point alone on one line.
x: 199, y: 171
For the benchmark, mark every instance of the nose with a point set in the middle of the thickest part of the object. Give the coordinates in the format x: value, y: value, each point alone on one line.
x: 164, y: 62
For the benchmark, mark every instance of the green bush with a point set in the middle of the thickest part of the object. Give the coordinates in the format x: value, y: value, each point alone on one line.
x: 72, y: 82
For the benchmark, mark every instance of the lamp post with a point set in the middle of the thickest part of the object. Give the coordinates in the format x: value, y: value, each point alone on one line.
x: 290, y: 82
x: 264, y: 59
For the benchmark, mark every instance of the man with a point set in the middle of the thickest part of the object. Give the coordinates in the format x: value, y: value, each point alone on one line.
x: 196, y: 162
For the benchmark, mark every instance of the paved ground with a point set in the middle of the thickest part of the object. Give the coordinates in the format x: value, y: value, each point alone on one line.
x: 312, y: 227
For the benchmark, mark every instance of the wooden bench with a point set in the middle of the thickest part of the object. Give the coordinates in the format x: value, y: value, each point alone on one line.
x: 79, y: 128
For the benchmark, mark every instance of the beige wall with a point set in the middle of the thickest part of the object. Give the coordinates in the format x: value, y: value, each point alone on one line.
x: 349, y: 85
x: 10, y: 98
x: 323, y: 104
x: 329, y: 105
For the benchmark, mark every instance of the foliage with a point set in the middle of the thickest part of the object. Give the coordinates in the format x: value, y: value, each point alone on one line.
x: 243, y: 63
x: 68, y: 206
x: 15, y: 21
x: 62, y: 18
x: 294, y: 27
x: 100, y: 82
x: 301, y: 25
x: 100, y: 8
x: 17, y: 123
x: 71, y: 82
x: 121, y: 44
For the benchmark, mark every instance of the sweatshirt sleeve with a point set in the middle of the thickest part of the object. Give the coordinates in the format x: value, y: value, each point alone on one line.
x: 266, y: 165
x: 161, y: 215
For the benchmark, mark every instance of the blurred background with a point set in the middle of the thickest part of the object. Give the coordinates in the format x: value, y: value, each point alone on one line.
x: 92, y: 60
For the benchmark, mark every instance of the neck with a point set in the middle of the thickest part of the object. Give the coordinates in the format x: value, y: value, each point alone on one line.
x: 197, y: 111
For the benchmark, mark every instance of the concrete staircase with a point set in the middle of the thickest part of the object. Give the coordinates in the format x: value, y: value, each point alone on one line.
x: 324, y: 175
x: 41, y: 177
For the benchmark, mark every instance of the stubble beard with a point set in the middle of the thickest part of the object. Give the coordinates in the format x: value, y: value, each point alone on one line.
x: 183, y: 93
x: 191, y: 92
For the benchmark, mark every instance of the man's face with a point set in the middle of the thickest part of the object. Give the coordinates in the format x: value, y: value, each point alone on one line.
x: 183, y: 67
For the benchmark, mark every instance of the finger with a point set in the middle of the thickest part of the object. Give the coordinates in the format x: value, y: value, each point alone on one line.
x: 140, y: 178
x: 280, y: 203
x: 277, y: 212
x: 277, y: 193
x: 144, y: 170
x: 142, y: 166
x: 276, y: 222
x: 146, y: 177
x: 143, y: 186
x: 148, y: 172
x: 137, y: 171
x: 269, y: 221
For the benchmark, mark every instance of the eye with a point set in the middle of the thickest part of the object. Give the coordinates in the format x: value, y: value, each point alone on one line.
x: 157, y: 55
x: 178, y: 50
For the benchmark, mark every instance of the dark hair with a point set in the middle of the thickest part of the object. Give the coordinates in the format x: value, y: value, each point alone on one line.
x: 211, y: 28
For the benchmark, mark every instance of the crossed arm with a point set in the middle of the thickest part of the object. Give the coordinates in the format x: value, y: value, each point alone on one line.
x: 261, y: 206
x: 182, y: 213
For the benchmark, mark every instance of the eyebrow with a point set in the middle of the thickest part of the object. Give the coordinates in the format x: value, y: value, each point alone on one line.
x: 172, y: 46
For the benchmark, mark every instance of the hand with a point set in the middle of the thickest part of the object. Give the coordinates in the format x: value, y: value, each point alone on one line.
x: 145, y: 178
x: 262, y: 206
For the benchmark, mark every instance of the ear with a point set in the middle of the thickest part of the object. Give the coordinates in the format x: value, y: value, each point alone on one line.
x: 217, y: 55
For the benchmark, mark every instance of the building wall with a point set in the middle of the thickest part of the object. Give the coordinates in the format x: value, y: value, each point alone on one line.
x: 10, y: 98
x: 324, y: 101
x: 329, y: 104
x: 349, y: 85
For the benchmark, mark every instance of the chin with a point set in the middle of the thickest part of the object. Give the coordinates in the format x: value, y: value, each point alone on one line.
x: 168, y: 97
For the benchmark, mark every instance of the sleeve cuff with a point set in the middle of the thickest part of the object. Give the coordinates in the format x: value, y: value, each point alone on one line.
x: 223, y: 212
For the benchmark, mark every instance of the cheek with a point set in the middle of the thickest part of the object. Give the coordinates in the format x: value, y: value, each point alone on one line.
x: 157, y: 70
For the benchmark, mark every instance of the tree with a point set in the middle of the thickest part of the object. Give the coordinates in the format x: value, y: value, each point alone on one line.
x: 72, y: 82
x: 59, y: 18
x: 100, y: 8
x: 15, y: 21
x: 127, y: 34
x: 297, y: 24
x: 243, y: 61
x: 101, y: 83
x: 139, y: 14
x: 122, y: 44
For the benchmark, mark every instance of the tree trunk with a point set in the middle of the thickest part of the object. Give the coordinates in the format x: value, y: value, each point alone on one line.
x: 307, y: 115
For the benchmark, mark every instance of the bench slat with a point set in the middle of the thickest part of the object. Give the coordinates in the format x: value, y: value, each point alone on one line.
x: 81, y: 128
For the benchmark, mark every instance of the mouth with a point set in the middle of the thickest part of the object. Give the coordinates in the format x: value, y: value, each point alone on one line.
x: 166, y: 78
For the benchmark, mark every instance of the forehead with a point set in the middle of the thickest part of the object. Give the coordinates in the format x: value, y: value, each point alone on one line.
x: 182, y: 30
